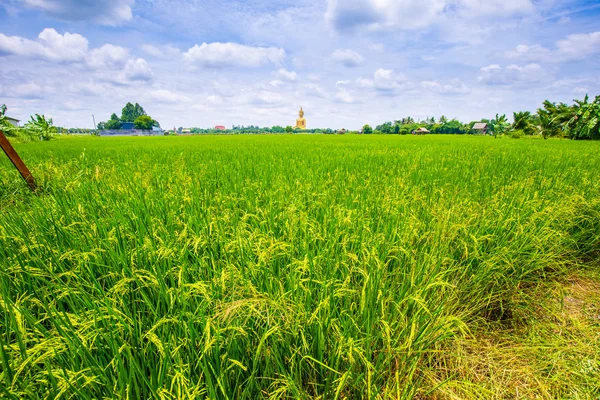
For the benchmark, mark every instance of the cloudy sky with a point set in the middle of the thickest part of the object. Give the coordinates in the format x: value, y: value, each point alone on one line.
x: 347, y: 62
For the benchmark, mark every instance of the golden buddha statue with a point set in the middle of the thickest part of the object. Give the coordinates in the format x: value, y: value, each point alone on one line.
x: 300, y: 122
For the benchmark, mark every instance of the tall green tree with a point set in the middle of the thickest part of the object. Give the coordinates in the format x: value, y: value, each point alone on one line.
x: 128, y: 113
x: 143, y: 122
x: 138, y: 111
x: 114, y: 123
x: 367, y: 130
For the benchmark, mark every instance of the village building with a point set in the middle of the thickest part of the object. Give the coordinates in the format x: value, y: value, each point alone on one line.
x: 219, y: 128
x: 420, y: 131
x: 480, y: 128
x: 13, y: 121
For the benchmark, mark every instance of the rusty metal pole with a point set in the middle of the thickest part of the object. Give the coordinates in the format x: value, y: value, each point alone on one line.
x: 17, y: 162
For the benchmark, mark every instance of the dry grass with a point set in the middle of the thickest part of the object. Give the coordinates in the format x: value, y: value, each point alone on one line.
x: 551, y: 351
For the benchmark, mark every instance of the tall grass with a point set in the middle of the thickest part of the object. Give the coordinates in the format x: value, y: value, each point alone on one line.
x: 275, y: 267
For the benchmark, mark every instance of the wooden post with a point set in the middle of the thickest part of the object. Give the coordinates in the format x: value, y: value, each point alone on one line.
x: 17, y: 162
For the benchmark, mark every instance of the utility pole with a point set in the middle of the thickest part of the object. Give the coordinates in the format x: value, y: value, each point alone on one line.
x: 17, y: 162
x: 94, y: 118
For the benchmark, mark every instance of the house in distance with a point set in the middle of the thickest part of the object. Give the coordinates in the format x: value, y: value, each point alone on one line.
x: 480, y: 128
x: 13, y: 121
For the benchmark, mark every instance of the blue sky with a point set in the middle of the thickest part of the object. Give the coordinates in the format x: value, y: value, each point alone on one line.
x: 347, y: 62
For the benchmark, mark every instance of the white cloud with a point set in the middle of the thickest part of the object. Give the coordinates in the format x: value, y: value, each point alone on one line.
x: 364, y: 82
x: 105, y: 12
x: 312, y: 89
x: 108, y: 57
x: 347, y: 57
x: 50, y: 46
x: 379, y: 47
x: 574, y: 47
x: 109, y: 62
x: 137, y: 70
x: 413, y: 14
x: 167, y: 96
x: 455, y: 86
x: 164, y: 52
x: 341, y: 84
x: 344, y: 96
x: 496, y: 75
x: 285, y: 75
x: 578, y: 46
x: 217, y: 55
x: 276, y: 83
x: 387, y: 81
x: 267, y: 98
x: 29, y: 91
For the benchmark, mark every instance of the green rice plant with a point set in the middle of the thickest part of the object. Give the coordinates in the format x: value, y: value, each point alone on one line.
x: 278, y: 266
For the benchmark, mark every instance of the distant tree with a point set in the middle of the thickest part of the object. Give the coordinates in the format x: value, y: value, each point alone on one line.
x: 499, y: 125
x: 585, y: 123
x: 289, y: 129
x: 367, y: 130
x: 6, y: 126
x: 138, y: 111
x: 386, y: 127
x: 443, y: 120
x: 42, y: 127
x: 143, y: 122
x: 113, y: 123
x: 522, y: 122
x: 127, y: 114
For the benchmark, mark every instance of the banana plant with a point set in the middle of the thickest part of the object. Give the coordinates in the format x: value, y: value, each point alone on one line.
x: 499, y: 125
x: 585, y: 123
x: 41, y: 126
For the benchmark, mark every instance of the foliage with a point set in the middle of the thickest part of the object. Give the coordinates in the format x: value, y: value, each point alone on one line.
x: 516, y: 134
x: 289, y: 129
x: 41, y: 127
x: 522, y: 122
x: 367, y: 130
x: 499, y: 125
x: 289, y: 266
x: 114, y: 123
x: 143, y: 122
x: 553, y: 118
x: 585, y: 123
x: 131, y: 112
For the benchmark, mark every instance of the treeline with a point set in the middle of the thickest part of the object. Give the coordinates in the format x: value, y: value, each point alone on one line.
x: 579, y: 121
x: 129, y: 114
x: 37, y: 128
x: 252, y: 130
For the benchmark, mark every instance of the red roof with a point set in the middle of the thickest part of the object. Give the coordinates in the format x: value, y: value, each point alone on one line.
x: 220, y: 127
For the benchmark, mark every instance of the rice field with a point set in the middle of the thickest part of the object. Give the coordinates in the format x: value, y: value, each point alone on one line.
x: 288, y: 267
